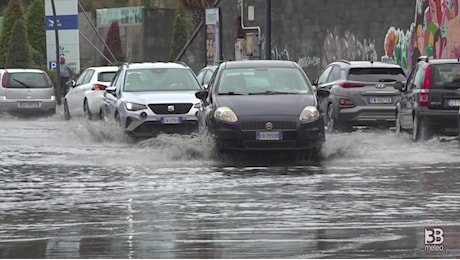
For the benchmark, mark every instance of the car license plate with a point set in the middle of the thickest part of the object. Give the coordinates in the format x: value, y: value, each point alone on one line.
x: 28, y: 104
x: 270, y: 136
x: 380, y: 100
x: 171, y: 120
x: 453, y: 102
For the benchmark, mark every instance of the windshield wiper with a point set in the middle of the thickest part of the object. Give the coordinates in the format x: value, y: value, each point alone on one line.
x: 231, y: 93
x: 22, y: 83
x: 269, y: 92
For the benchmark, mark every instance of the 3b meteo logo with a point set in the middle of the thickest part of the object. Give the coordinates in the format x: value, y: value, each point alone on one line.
x: 434, y: 237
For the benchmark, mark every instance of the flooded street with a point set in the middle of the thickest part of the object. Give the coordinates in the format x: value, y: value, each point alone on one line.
x: 79, y: 189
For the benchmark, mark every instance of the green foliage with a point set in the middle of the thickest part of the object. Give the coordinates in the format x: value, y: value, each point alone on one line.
x: 18, y: 55
x: 13, y: 13
x: 114, y: 43
x: 180, y: 33
x: 36, y: 31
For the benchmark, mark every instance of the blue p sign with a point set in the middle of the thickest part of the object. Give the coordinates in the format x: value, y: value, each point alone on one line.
x: 52, y: 65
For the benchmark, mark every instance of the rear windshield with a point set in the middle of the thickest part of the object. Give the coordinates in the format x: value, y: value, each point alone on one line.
x: 377, y: 74
x: 27, y: 80
x: 445, y: 75
x: 106, y: 76
x: 161, y: 80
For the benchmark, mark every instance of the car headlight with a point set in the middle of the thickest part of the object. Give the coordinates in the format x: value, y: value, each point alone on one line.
x: 197, y: 105
x: 309, y: 114
x: 134, y: 106
x: 225, y: 114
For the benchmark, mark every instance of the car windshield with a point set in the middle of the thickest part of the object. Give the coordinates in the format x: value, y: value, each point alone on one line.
x: 446, y: 76
x: 106, y: 76
x: 376, y: 74
x: 164, y: 79
x: 27, y: 80
x: 255, y: 81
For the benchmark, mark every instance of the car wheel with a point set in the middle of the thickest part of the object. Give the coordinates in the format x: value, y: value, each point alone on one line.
x: 117, y: 119
x: 398, y: 129
x: 332, y: 124
x: 86, y: 111
x: 421, y: 130
x: 66, y: 110
x: 101, y: 114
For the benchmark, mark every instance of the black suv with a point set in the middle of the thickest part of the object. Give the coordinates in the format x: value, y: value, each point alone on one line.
x: 361, y: 94
x: 429, y: 102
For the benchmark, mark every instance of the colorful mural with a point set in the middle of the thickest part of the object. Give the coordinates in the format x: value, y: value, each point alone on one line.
x: 435, y: 33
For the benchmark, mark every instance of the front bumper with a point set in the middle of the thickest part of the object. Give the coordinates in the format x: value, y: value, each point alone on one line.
x: 296, y: 136
x: 145, y: 123
x: 367, y: 115
x: 28, y: 105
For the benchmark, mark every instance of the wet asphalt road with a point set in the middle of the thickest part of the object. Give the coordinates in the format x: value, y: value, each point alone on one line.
x: 79, y: 189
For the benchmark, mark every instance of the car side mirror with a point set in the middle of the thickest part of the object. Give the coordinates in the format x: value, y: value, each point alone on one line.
x: 323, y: 93
x: 399, y: 86
x: 111, y: 90
x: 71, y: 83
x: 202, y: 95
x: 458, y: 91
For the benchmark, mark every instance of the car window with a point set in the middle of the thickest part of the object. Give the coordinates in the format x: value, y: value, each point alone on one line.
x: 261, y: 80
x: 411, y: 79
x: 81, y: 78
x: 207, y: 77
x: 375, y: 74
x: 445, y: 76
x: 335, y: 74
x: 88, y: 76
x: 201, y: 76
x: 106, y: 76
x: 160, y: 79
x: 27, y: 80
x: 323, y: 77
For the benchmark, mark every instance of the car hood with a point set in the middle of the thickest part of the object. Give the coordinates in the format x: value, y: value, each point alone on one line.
x: 266, y: 104
x: 161, y: 97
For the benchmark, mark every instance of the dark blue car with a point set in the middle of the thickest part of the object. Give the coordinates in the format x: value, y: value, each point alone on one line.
x: 262, y: 105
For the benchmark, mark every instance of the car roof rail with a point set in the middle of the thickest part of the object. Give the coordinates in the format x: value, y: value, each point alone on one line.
x: 344, y: 61
x: 423, y: 58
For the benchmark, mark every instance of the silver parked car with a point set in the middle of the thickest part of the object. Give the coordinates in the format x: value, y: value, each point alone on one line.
x: 151, y: 98
x: 361, y: 94
x: 26, y: 90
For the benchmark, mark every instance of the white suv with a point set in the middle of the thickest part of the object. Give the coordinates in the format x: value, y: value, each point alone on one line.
x: 26, y: 90
x: 151, y: 98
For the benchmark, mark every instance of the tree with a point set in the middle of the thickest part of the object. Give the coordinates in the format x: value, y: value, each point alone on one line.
x: 18, y: 55
x: 179, y: 38
x: 114, y: 43
x: 13, y: 13
x: 36, y: 31
x: 197, y: 8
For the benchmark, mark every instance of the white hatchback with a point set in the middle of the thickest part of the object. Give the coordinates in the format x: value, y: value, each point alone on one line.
x: 85, y: 95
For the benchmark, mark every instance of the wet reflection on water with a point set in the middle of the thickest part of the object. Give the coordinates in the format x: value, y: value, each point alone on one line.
x: 84, y: 195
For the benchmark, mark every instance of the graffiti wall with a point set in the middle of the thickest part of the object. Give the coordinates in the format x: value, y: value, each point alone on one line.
x: 435, y: 32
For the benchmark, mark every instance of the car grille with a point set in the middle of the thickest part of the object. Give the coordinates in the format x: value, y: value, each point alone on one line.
x: 277, y: 125
x: 179, y: 108
x: 269, y: 144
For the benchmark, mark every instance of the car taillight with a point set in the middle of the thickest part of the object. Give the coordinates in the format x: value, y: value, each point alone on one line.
x: 4, y: 80
x: 97, y: 87
x: 351, y: 85
x: 426, y: 87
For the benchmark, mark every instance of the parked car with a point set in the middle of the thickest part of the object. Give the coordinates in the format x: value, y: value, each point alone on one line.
x: 85, y: 95
x: 429, y: 101
x: 262, y: 105
x: 27, y: 90
x: 151, y: 98
x: 361, y: 94
x: 205, y: 75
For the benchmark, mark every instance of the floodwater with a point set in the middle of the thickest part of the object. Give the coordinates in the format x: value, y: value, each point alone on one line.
x: 80, y: 189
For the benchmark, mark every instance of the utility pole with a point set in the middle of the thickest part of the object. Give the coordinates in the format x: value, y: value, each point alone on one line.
x: 268, y: 29
x: 58, y: 69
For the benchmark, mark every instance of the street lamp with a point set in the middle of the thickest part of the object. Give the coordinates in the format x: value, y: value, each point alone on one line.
x: 58, y: 69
